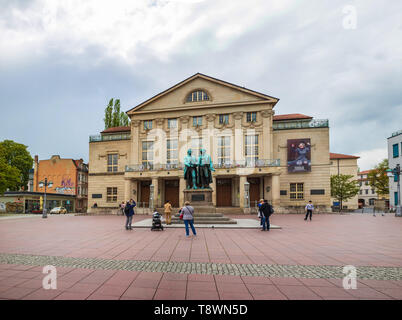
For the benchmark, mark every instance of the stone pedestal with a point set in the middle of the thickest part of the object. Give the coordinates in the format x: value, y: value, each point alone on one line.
x: 198, y: 197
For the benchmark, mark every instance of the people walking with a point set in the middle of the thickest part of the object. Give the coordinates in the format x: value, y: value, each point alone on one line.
x: 259, y: 210
x: 309, y: 210
x: 266, y: 211
x: 168, y: 212
x: 129, y: 211
x: 188, y: 218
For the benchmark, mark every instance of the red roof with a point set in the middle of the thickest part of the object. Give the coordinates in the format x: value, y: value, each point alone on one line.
x: 341, y: 156
x: 364, y: 172
x: 291, y: 116
x: 117, y: 129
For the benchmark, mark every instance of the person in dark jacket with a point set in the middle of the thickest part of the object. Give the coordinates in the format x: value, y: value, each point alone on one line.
x: 266, y: 211
x: 129, y: 212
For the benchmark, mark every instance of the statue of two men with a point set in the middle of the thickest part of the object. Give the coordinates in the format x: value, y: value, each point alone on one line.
x: 198, y: 172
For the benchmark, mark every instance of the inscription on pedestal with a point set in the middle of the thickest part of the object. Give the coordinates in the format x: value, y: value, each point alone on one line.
x: 198, y: 197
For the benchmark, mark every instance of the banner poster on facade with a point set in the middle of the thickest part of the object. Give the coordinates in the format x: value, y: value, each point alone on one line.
x: 299, y: 155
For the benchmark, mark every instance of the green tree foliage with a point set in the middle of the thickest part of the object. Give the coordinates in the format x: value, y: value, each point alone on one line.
x: 114, y: 117
x: 15, y: 161
x: 343, y: 187
x: 378, y: 178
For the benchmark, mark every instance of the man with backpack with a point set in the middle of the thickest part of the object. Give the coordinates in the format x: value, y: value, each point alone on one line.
x: 129, y: 212
x: 266, y: 210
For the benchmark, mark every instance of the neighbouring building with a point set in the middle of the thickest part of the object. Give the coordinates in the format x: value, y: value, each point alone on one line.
x: 367, y: 194
x: 284, y: 158
x: 344, y: 164
x: 394, y: 158
x: 68, y: 177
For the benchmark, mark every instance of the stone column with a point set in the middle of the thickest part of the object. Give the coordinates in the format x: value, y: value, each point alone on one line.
x: 238, y: 138
x: 210, y: 134
x: 156, y: 187
x: 266, y: 134
x: 243, y: 180
x: 135, y: 142
x: 182, y: 186
x: 183, y: 137
x: 275, y: 190
x: 213, y: 186
x: 127, y: 189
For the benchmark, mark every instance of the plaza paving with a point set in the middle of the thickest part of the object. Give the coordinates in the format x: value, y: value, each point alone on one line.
x: 97, y: 259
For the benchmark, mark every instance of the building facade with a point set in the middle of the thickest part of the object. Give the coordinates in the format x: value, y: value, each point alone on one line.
x: 367, y: 194
x: 345, y: 164
x: 394, y: 158
x: 282, y: 158
x: 68, y: 177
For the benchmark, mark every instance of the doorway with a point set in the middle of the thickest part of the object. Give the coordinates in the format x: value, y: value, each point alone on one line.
x: 172, y: 192
x: 223, y: 192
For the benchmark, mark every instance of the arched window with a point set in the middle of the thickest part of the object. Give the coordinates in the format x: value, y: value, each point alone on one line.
x: 197, y: 95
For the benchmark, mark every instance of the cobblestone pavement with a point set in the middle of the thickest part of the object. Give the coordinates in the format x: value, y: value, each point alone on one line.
x: 255, y: 270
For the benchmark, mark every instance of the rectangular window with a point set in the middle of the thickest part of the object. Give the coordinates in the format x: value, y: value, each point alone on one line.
x: 147, y: 124
x: 111, y: 194
x: 148, y: 154
x: 197, y: 121
x: 172, y: 154
x: 395, y: 150
x: 172, y: 123
x: 251, y: 116
x: 366, y: 191
x: 112, y: 162
x: 296, y: 191
x: 223, y: 150
x: 251, y: 149
x: 223, y: 119
x: 361, y: 191
x: 372, y: 191
x: 196, y: 145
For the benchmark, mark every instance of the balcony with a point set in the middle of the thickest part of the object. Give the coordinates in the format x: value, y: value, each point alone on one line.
x: 109, y: 137
x: 261, y: 163
x: 300, y: 124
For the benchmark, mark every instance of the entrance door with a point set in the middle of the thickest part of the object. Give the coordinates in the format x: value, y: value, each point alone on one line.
x: 255, y: 193
x: 145, y: 191
x: 223, y: 192
x: 172, y: 192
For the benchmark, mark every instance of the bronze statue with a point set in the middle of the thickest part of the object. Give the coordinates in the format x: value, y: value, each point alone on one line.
x: 190, y: 170
x: 205, y: 168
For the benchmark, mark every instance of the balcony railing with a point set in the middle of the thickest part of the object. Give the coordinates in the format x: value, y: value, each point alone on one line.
x: 300, y: 124
x: 109, y: 137
x: 261, y: 163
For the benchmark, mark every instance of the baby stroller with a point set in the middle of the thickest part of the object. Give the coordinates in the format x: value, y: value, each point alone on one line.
x: 156, y: 222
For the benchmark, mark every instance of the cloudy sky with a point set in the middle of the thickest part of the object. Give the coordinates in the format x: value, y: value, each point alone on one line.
x: 61, y: 61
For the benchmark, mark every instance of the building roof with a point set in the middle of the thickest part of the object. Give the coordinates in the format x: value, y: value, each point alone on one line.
x: 291, y: 116
x: 116, y: 129
x: 364, y: 172
x: 342, y: 156
x: 203, y: 76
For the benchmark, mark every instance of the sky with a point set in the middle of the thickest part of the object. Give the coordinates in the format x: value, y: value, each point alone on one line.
x: 62, y: 61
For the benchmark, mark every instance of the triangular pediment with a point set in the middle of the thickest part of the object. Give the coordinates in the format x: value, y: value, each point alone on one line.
x: 220, y: 93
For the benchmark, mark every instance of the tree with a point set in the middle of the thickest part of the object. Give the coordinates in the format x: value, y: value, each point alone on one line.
x: 15, y: 161
x: 378, y: 178
x: 343, y: 188
x: 113, y: 116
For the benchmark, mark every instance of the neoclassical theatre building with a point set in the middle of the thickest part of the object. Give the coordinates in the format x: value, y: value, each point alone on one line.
x: 282, y: 158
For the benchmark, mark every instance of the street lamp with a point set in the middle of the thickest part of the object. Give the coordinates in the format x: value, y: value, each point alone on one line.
x: 45, y: 184
x: 396, y: 172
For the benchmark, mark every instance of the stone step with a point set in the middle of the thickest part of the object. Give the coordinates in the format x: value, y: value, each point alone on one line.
x: 206, y: 214
x: 206, y: 222
x: 206, y: 218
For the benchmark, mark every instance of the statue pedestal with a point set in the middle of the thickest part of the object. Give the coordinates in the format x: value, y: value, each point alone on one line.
x: 198, y: 197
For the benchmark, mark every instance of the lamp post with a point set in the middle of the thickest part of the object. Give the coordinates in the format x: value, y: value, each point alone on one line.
x: 396, y: 172
x: 45, y: 184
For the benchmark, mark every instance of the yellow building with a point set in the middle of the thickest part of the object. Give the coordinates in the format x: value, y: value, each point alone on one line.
x: 345, y: 164
x: 282, y: 158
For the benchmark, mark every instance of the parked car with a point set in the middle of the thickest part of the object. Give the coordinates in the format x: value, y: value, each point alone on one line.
x: 59, y: 210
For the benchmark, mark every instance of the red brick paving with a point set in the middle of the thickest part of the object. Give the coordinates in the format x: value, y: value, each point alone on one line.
x: 327, y: 240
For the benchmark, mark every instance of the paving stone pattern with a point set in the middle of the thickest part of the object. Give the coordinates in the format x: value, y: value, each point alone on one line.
x: 256, y: 270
